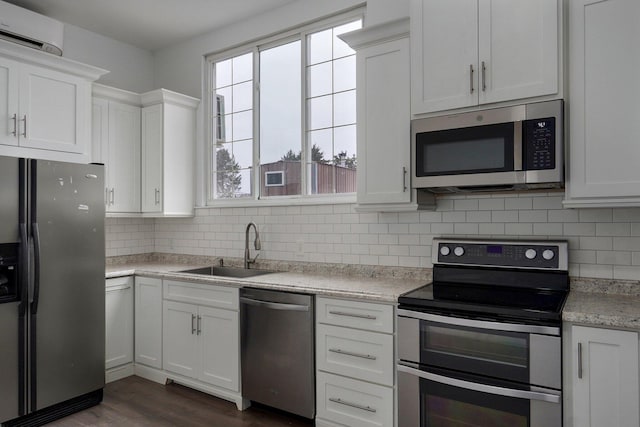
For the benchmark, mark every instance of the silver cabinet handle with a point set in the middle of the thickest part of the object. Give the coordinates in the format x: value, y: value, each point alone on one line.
x: 106, y: 196
x: 349, y: 353
x: 157, y: 196
x: 24, y: 119
x: 274, y: 305
x: 484, y: 77
x: 15, y: 125
x: 580, y: 360
x: 484, y: 324
x: 353, y: 405
x: 112, y: 198
x: 483, y: 388
x: 471, y: 77
x: 359, y: 316
x: 404, y: 179
x: 199, y: 325
x: 193, y: 327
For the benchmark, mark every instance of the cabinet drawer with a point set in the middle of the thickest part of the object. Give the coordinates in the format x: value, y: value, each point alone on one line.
x: 202, y: 294
x: 355, y: 314
x: 118, y: 283
x: 353, y: 403
x: 363, y: 355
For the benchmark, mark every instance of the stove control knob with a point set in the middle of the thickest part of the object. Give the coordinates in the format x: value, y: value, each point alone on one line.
x: 548, y: 254
x: 530, y: 253
x: 444, y: 250
x: 458, y: 251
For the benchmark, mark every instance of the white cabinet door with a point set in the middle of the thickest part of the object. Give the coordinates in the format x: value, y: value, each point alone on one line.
x: 124, y: 158
x: 152, y: 158
x: 444, y: 37
x: 219, y: 333
x: 384, y: 169
x: 605, y: 377
x: 148, y: 325
x: 9, y: 82
x: 518, y: 49
x: 119, y: 322
x: 604, y: 65
x: 53, y: 110
x: 180, y: 343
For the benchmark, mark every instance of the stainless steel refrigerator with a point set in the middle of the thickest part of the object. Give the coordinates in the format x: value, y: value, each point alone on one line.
x: 52, y: 318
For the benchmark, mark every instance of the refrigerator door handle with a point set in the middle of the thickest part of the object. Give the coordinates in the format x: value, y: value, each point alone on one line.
x: 36, y: 267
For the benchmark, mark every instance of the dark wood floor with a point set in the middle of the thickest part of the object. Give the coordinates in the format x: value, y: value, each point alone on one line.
x: 134, y: 401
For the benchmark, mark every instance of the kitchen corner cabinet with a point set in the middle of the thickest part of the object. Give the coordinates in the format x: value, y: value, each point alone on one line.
x: 45, y: 105
x: 604, y: 377
x: 119, y: 327
x: 116, y: 143
x: 168, y: 150
x: 148, y: 322
x: 604, y: 64
x: 383, y: 105
x: 355, y: 378
x: 201, y: 334
x: 471, y: 52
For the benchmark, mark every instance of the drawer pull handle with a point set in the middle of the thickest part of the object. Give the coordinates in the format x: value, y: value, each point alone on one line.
x: 359, y: 316
x: 193, y: 327
x: 353, y: 405
x: 117, y: 288
x: 580, y: 360
x: 348, y: 353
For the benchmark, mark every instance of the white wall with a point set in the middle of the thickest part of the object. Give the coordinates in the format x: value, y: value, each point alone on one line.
x: 130, y: 67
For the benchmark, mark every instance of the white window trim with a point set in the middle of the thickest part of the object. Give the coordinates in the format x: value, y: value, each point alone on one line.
x: 300, y: 33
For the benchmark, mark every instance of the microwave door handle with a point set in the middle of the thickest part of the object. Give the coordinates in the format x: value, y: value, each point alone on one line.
x: 482, y: 388
x: 517, y: 145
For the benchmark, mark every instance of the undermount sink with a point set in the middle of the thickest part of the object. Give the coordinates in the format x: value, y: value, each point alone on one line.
x: 226, y: 271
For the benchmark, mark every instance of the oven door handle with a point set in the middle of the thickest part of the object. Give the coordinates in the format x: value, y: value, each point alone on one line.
x: 483, y: 388
x: 482, y: 324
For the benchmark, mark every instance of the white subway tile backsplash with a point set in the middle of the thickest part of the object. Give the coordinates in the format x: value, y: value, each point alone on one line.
x: 604, y: 243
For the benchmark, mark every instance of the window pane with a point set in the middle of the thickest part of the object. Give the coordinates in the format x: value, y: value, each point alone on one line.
x: 344, y: 143
x: 344, y: 112
x: 320, y: 47
x: 320, y: 112
x: 243, y: 153
x: 340, y: 48
x: 321, y: 143
x: 227, y: 95
x: 243, y: 68
x: 320, y: 80
x: 242, y: 97
x: 344, y: 74
x: 242, y: 125
x: 228, y: 128
x: 290, y: 172
x: 223, y: 73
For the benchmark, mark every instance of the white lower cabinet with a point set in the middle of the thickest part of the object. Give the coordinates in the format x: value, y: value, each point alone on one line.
x: 355, y: 380
x: 148, y: 325
x: 119, y: 328
x: 202, y: 342
x: 604, y: 378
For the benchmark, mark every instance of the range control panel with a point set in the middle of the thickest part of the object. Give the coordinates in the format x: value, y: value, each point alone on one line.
x: 551, y: 255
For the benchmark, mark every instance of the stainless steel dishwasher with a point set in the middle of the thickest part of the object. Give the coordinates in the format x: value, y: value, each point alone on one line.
x: 277, y: 342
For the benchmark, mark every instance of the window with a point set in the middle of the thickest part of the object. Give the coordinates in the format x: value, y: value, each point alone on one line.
x: 283, y: 116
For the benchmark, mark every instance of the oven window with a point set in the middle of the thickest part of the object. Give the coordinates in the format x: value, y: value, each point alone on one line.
x: 479, y: 149
x: 495, y: 353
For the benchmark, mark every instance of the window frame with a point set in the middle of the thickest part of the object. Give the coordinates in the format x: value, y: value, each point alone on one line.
x: 255, y: 47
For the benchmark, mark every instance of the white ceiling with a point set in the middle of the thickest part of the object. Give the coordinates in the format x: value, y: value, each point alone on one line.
x: 150, y: 24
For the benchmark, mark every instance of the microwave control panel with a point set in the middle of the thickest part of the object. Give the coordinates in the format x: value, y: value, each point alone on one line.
x: 539, y: 136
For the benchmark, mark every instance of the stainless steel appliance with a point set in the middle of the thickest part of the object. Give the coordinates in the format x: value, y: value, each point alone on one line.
x: 277, y: 341
x: 498, y: 149
x: 481, y: 345
x: 51, y: 289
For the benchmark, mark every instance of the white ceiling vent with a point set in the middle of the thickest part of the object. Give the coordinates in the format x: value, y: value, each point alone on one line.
x: 30, y: 29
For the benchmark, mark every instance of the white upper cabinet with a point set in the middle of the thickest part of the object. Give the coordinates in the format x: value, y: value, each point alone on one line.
x: 604, y: 65
x: 45, y: 105
x: 471, y: 52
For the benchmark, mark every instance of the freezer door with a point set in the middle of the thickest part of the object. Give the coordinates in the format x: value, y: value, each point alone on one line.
x: 67, y: 312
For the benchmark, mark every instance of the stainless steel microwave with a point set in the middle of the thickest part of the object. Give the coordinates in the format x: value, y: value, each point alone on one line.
x: 515, y: 147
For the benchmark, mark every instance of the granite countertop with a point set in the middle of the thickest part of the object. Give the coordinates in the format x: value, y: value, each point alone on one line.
x: 376, y: 289
x: 604, y: 303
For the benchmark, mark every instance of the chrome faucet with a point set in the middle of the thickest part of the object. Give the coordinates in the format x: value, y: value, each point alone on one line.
x: 256, y: 244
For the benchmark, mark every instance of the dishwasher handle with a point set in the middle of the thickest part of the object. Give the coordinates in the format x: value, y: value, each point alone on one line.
x: 274, y: 305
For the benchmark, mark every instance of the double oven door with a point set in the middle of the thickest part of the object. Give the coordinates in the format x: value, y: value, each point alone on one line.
x: 455, y: 371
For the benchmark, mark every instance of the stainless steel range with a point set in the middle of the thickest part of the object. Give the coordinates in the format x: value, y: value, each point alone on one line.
x: 481, y: 345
